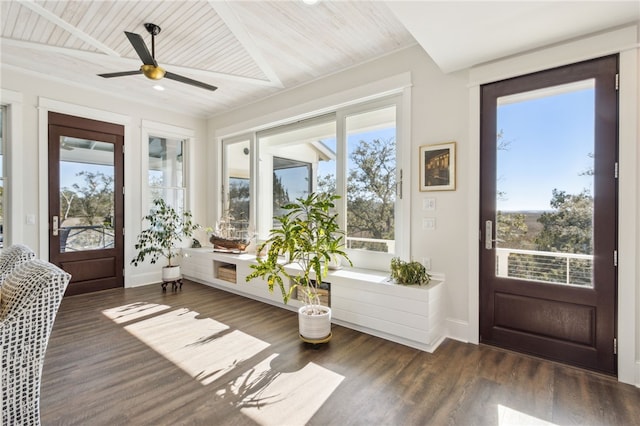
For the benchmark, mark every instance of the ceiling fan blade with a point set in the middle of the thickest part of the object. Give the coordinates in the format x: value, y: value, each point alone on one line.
x: 186, y: 80
x: 141, y: 49
x: 119, y: 74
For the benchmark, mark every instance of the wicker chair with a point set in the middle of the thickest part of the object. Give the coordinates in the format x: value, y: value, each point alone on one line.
x: 30, y: 297
x: 11, y: 257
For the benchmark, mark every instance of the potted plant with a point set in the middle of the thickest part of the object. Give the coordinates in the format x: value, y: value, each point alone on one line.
x: 166, y: 229
x: 409, y: 273
x: 309, y: 238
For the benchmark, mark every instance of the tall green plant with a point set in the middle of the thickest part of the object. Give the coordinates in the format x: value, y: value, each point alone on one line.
x: 308, y: 237
x: 166, y: 229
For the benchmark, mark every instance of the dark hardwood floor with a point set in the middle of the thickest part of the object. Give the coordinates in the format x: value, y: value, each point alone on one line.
x: 201, y: 356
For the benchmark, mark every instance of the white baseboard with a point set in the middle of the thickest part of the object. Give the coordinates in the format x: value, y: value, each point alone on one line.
x: 146, y: 278
x: 457, y: 329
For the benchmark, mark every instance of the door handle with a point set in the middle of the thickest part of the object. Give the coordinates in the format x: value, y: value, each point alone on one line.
x: 488, y: 235
x: 55, y: 221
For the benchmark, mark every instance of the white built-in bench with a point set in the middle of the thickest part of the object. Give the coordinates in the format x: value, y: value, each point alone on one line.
x: 360, y: 299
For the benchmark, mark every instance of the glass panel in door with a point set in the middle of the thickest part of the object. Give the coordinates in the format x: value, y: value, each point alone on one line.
x: 544, y: 185
x: 87, y: 174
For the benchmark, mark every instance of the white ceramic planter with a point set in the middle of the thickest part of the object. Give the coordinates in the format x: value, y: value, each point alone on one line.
x: 336, y: 263
x: 170, y: 273
x: 314, y: 327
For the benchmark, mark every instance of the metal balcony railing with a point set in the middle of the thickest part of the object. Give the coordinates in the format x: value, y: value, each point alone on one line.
x: 374, y: 244
x: 80, y: 238
x: 545, y: 266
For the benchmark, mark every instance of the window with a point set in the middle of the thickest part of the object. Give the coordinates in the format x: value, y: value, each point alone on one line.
x: 166, y: 171
x: 291, y: 180
x: 236, y: 186
x: 352, y: 152
x: 292, y: 159
x: 371, y: 179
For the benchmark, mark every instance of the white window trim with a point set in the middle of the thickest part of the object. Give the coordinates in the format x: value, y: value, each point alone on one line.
x: 371, y: 259
x: 358, y: 97
x: 162, y: 130
x: 13, y: 230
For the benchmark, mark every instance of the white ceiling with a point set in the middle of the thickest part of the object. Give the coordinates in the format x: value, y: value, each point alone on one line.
x: 461, y: 34
x: 253, y: 49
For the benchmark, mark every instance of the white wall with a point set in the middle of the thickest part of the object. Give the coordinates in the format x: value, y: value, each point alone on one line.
x: 446, y: 108
x: 39, y: 94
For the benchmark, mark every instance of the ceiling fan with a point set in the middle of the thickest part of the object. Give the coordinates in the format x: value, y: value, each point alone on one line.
x: 150, y: 67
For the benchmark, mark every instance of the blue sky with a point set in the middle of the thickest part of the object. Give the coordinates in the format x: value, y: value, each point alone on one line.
x: 551, y: 139
x: 68, y: 171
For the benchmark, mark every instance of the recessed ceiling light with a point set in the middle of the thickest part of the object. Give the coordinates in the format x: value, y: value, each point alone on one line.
x: 158, y: 88
x: 310, y: 2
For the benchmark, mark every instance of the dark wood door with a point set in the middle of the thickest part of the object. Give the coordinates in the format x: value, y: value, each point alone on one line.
x: 86, y: 204
x: 548, y: 252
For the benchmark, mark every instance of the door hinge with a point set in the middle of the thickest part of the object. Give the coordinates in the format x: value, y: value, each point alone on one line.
x: 615, y: 258
x: 617, y: 81
x: 615, y: 346
x: 123, y: 230
x: 616, y: 170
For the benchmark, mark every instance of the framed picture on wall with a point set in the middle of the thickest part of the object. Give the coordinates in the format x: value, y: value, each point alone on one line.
x: 438, y: 167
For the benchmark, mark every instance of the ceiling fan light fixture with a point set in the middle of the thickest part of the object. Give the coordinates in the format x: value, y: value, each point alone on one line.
x: 152, y: 72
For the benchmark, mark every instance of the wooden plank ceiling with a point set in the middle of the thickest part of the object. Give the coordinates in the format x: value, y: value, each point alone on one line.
x: 249, y: 49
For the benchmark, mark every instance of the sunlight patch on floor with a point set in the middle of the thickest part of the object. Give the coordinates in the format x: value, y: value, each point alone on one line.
x: 510, y: 417
x: 275, y: 398
x: 133, y: 311
x: 203, y: 348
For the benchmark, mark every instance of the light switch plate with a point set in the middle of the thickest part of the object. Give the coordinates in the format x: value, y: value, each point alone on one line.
x: 428, y: 223
x: 429, y: 204
x: 426, y: 262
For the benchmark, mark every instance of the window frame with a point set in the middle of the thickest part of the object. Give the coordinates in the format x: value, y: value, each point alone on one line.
x: 13, y: 211
x: 401, y: 100
x: 365, y: 258
x: 153, y: 129
x: 223, y: 176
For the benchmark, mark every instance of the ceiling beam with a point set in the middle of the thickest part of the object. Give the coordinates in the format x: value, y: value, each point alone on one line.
x: 68, y: 27
x: 234, y: 24
x: 130, y: 63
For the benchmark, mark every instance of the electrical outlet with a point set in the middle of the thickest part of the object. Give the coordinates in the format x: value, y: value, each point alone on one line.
x: 429, y: 204
x: 426, y: 262
x: 428, y: 223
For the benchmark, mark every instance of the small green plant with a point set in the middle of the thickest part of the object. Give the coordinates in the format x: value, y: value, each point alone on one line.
x: 409, y: 273
x: 166, y: 229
